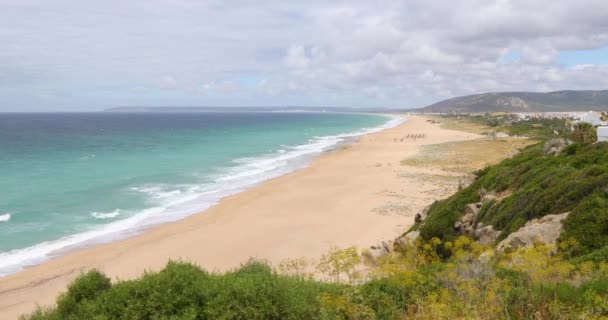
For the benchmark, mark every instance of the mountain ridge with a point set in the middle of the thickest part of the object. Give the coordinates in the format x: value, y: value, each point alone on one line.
x: 523, y: 101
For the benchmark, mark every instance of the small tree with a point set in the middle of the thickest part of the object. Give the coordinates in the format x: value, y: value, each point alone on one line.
x: 338, y: 261
x: 584, y: 133
x: 87, y: 286
x: 295, y: 268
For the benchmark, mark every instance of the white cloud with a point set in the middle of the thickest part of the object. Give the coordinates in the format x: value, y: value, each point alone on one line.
x: 167, y: 82
x: 365, y: 53
x: 296, y: 58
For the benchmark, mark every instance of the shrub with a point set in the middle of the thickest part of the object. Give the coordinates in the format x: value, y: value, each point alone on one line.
x: 584, y: 133
x: 588, y: 223
x: 340, y: 261
x: 539, y: 185
x: 87, y: 286
x: 184, y: 291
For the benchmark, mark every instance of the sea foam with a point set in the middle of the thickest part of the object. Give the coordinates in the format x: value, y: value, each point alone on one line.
x: 106, y: 215
x: 5, y: 217
x: 174, y: 202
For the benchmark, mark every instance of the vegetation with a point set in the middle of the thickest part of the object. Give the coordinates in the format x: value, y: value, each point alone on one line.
x: 534, y: 185
x: 514, y: 101
x: 440, y: 275
x: 184, y: 291
x: 584, y: 133
x: 411, y: 283
x: 534, y: 128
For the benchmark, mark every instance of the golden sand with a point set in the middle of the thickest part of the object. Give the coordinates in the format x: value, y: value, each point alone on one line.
x: 359, y: 195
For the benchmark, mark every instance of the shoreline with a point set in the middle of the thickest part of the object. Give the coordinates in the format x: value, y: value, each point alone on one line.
x: 296, y: 157
x: 345, y: 197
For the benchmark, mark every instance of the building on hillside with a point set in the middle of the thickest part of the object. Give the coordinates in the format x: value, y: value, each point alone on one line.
x: 592, y: 117
x: 602, y: 134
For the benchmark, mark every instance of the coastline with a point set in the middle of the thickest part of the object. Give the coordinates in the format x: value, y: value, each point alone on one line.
x: 180, y: 202
x: 356, y: 194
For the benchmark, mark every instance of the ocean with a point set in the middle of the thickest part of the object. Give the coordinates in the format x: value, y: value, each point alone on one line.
x: 70, y: 180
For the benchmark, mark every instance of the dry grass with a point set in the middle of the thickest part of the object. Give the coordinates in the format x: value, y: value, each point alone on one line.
x: 461, y: 125
x: 467, y: 156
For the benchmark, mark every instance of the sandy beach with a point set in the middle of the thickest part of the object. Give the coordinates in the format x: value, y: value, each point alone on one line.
x: 358, y: 194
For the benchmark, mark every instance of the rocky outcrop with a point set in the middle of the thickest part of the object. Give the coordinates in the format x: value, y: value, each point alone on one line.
x: 375, y: 252
x: 411, y: 236
x: 555, y: 146
x: 419, y: 217
x: 545, y: 230
x: 386, y: 247
x: 467, y: 223
x: 486, y: 235
x: 469, y: 226
x: 487, y: 198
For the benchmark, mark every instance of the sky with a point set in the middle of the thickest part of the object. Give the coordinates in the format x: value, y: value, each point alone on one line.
x: 60, y: 55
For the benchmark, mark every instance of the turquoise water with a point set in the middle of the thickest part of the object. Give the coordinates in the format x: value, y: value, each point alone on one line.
x: 69, y: 180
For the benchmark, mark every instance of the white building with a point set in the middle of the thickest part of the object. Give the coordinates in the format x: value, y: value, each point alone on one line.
x: 602, y: 134
x: 593, y: 118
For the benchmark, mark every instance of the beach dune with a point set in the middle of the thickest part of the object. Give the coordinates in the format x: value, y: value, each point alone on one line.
x: 358, y: 194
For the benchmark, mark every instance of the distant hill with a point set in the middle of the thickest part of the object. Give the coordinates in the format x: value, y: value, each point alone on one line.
x: 177, y: 109
x: 569, y: 100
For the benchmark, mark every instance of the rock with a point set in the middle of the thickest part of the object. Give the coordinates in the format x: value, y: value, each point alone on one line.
x: 488, y: 198
x: 555, y: 146
x: 469, y: 230
x: 412, y: 235
x: 376, y: 251
x: 466, y: 223
x: 401, y: 242
x: 486, y: 235
x: 545, y: 230
x: 386, y: 247
x: 405, y: 240
x: 419, y: 217
x: 468, y: 219
x: 482, y: 192
x: 425, y: 212
x: 472, y: 209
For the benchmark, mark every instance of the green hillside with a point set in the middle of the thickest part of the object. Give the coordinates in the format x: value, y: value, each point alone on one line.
x: 575, y: 181
x: 569, y: 100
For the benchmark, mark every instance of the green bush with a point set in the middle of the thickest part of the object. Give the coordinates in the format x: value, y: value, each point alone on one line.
x: 588, y: 223
x: 574, y: 181
x: 88, y: 286
x: 595, y: 256
x: 184, y: 291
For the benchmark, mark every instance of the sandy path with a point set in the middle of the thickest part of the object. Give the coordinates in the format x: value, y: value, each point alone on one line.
x: 357, y: 195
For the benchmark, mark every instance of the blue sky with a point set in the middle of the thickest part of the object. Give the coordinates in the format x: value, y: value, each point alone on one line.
x: 597, y: 56
x: 64, y: 55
